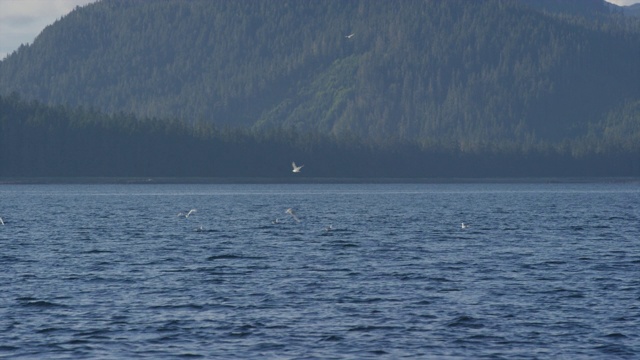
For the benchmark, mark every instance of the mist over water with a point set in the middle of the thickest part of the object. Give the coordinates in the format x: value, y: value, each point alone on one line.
x: 111, y: 271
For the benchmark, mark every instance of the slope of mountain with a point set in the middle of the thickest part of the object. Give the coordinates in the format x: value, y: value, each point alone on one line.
x: 460, y: 74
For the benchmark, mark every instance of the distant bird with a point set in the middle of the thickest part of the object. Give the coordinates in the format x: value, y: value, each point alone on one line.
x: 1, y: 222
x: 328, y: 228
x: 464, y: 226
x: 276, y: 221
x: 188, y: 213
x: 296, y: 169
x: 350, y: 35
x: 293, y: 214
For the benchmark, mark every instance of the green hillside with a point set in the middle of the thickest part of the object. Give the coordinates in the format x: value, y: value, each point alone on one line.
x: 458, y: 74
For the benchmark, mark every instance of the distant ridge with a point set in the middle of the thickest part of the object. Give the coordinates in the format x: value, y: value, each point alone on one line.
x: 632, y: 10
x: 587, y: 8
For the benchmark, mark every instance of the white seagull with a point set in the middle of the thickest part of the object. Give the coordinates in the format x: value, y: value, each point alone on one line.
x: 296, y: 169
x: 350, y: 35
x: 188, y: 213
x: 1, y: 222
x: 290, y: 212
x: 464, y: 226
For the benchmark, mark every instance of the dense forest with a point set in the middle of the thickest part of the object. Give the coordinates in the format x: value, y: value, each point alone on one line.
x: 38, y: 140
x: 407, y: 88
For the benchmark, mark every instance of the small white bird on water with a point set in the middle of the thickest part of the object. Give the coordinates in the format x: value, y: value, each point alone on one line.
x: 464, y: 226
x: 296, y: 169
x: 293, y: 214
x: 188, y: 213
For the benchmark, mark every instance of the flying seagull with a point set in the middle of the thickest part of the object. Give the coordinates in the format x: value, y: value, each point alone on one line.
x: 293, y: 214
x: 350, y: 35
x: 188, y: 213
x: 1, y: 222
x: 296, y: 169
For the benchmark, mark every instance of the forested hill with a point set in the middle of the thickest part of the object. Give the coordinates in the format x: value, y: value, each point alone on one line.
x: 449, y: 74
x: 56, y: 141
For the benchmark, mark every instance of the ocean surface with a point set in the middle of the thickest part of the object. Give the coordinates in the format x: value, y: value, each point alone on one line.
x: 542, y: 271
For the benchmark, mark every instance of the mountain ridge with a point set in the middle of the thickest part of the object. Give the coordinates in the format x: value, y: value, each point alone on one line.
x: 441, y: 74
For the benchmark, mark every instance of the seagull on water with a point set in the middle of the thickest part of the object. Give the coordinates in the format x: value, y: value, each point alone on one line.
x: 296, y: 169
x: 464, y: 226
x: 1, y: 222
x: 350, y: 35
x: 188, y: 213
x: 293, y: 214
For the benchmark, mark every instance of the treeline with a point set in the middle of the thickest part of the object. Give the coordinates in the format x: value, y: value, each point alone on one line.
x: 55, y: 141
x: 455, y: 74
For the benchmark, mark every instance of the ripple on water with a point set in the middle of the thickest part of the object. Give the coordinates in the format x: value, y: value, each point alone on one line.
x: 544, y: 271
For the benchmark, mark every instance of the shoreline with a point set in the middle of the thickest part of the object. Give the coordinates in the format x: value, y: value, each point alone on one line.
x: 306, y: 180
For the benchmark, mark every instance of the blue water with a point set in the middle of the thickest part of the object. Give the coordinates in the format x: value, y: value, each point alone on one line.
x: 111, y: 271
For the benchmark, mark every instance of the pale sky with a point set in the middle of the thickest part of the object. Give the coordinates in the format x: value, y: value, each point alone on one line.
x: 22, y: 20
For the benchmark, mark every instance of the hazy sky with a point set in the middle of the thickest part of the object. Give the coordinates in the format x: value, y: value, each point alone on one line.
x: 22, y: 20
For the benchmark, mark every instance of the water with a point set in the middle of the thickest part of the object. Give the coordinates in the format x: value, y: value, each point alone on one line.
x: 110, y: 271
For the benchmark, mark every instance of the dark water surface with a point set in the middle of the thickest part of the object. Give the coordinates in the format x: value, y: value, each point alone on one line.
x: 110, y: 271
